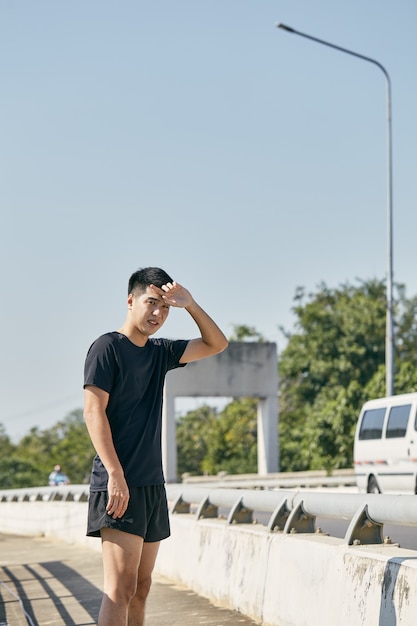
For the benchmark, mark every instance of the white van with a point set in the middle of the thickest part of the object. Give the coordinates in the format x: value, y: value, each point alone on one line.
x: 385, y: 449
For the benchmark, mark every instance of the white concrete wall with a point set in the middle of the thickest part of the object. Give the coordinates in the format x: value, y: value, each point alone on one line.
x: 278, y: 580
x: 292, y: 580
x: 245, y: 369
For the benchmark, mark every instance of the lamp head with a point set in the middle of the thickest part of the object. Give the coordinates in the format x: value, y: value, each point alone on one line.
x: 284, y: 27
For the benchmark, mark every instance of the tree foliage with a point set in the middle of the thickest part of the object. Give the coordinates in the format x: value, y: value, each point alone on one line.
x: 333, y: 362
x: 29, y: 463
x: 209, y: 443
x: 242, y: 332
x: 192, y: 435
x: 231, y: 443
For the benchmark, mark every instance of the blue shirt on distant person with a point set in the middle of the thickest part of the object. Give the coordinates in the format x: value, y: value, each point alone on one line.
x: 57, y: 477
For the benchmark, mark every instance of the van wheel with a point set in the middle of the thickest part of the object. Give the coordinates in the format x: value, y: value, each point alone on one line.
x: 373, y: 485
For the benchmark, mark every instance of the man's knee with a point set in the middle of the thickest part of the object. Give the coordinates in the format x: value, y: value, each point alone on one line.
x: 143, y: 588
x: 123, y: 590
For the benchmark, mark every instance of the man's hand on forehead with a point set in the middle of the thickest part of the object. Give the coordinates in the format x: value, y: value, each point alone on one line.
x: 174, y: 294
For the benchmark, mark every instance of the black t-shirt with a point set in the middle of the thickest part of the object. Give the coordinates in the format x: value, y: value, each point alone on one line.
x: 134, y: 377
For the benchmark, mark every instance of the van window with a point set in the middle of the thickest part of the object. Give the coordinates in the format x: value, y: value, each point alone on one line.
x: 397, y: 421
x: 371, y: 425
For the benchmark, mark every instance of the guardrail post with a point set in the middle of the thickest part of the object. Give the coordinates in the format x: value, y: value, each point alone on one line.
x: 279, y: 517
x: 207, y: 509
x: 180, y: 506
x: 363, y: 529
x: 240, y: 514
x: 299, y: 521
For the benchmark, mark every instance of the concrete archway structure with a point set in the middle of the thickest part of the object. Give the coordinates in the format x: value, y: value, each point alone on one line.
x: 245, y: 369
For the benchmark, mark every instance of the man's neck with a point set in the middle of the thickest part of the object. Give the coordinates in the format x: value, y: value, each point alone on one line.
x: 134, y: 335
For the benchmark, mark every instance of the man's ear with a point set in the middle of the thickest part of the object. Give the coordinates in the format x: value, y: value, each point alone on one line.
x: 130, y: 299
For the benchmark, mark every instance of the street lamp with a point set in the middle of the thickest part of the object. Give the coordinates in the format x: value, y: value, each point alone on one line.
x: 389, y: 333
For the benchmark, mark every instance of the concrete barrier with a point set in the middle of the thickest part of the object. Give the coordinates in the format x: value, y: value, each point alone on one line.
x: 292, y: 580
x: 276, y: 579
x: 62, y: 519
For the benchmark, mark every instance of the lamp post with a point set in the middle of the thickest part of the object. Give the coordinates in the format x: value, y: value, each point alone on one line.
x: 389, y: 333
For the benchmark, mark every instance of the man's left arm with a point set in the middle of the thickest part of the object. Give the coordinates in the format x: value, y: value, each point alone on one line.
x: 212, y: 340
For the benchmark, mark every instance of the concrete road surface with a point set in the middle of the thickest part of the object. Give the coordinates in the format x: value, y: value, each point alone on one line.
x: 45, y: 582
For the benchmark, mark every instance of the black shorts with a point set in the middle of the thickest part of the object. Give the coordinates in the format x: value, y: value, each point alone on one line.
x: 146, y: 514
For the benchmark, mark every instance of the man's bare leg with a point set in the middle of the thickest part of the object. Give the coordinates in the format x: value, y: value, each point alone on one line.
x: 144, y: 581
x: 121, y: 559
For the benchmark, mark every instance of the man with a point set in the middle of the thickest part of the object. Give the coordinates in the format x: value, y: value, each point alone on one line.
x: 57, y: 477
x: 123, y: 387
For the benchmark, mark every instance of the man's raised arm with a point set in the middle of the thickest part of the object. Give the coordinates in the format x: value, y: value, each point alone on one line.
x: 212, y: 340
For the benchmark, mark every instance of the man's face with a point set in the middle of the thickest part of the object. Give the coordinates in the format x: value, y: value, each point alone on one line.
x: 148, y: 311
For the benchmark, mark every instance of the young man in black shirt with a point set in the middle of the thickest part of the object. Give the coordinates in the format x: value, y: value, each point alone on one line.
x: 123, y: 386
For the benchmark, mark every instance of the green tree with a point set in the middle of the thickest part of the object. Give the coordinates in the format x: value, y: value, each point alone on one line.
x: 16, y: 473
x: 6, y: 446
x: 208, y: 442
x: 37, y: 447
x: 231, y: 440
x: 74, y: 450
x: 242, y: 332
x: 16, y: 469
x: 66, y: 443
x: 192, y: 432
x: 333, y: 362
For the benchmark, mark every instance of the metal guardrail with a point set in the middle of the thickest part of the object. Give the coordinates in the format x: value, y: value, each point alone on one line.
x: 291, y: 480
x: 278, y: 480
x: 289, y: 511
x: 296, y: 511
x: 69, y: 493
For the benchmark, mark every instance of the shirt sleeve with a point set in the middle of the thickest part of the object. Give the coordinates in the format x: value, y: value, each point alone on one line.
x: 176, y: 350
x: 101, y: 367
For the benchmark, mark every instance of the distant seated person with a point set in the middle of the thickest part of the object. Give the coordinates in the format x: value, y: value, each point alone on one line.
x: 57, y: 477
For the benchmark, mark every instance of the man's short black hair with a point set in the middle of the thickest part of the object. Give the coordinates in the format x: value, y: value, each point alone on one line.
x: 140, y: 280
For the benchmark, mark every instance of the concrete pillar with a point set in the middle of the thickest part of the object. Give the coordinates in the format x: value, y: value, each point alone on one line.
x: 268, y: 461
x: 169, y: 438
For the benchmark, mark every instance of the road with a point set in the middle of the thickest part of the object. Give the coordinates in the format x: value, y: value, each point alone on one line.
x: 47, y: 582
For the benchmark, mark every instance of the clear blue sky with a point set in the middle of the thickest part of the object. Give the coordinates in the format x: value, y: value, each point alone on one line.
x: 198, y: 137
